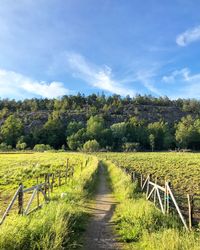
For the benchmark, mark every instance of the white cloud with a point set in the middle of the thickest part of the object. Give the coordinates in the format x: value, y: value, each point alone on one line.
x: 187, y: 84
x: 98, y: 77
x: 189, y: 36
x: 183, y: 73
x: 16, y: 85
x: 146, y: 78
x: 49, y: 90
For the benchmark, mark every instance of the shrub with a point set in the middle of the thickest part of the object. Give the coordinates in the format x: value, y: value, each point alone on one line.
x: 21, y: 146
x: 131, y: 146
x: 91, y: 146
x: 41, y: 147
x: 5, y: 147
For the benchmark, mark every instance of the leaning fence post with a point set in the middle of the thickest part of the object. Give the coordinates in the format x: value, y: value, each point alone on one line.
x: 190, y: 209
x: 167, y: 197
x: 20, y: 199
x: 147, y: 192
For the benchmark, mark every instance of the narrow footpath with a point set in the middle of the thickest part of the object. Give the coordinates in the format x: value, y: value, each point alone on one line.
x: 99, y: 234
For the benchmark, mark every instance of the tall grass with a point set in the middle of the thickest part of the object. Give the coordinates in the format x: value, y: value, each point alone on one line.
x: 58, y: 224
x: 140, y: 224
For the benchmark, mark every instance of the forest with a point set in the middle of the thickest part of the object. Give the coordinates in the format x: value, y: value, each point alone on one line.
x: 94, y: 124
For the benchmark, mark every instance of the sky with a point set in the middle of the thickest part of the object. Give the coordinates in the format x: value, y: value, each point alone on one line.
x: 50, y: 48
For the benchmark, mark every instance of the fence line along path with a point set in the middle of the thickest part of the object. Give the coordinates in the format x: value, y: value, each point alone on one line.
x: 33, y: 194
x: 164, y: 197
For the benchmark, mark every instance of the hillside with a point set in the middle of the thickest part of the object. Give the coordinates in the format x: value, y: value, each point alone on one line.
x: 64, y: 121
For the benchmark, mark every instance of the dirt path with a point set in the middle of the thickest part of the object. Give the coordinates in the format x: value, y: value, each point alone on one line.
x: 99, y: 233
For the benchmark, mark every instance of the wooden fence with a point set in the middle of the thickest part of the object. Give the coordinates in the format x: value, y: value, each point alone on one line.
x: 164, y: 197
x: 50, y: 180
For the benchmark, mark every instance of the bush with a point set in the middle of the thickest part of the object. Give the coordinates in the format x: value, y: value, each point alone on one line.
x: 131, y: 146
x: 41, y: 147
x: 21, y: 146
x: 91, y: 146
x: 5, y: 147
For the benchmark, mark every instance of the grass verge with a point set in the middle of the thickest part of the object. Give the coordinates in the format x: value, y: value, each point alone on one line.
x: 140, y: 224
x: 58, y: 224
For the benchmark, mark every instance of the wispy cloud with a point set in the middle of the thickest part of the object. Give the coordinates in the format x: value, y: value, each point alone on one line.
x: 189, y: 36
x: 15, y: 85
x: 183, y: 74
x: 146, y: 77
x: 96, y: 76
x: 187, y: 84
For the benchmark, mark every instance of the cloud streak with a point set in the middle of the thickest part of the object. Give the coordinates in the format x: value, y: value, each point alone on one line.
x: 16, y: 85
x: 189, y: 36
x: 146, y: 78
x: 95, y: 76
x: 188, y: 83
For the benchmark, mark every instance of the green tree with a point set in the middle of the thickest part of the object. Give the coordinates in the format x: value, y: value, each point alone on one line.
x: 162, y: 135
x: 54, y: 132
x: 11, y: 130
x: 137, y: 131
x: 76, y: 141
x: 21, y: 145
x: 188, y: 132
x: 118, y: 134
x: 73, y: 127
x: 152, y: 141
x: 95, y: 126
x: 91, y: 146
x: 131, y: 146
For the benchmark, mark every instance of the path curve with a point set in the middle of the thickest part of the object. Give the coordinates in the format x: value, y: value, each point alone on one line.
x: 99, y: 233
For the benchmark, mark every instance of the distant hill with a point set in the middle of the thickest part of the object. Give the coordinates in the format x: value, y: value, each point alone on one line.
x: 114, y: 122
x: 35, y: 112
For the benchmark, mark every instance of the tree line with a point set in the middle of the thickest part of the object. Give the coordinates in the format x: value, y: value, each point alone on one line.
x: 98, y: 134
x: 93, y: 102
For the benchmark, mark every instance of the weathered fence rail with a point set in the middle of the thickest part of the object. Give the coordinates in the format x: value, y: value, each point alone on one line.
x: 164, y: 197
x: 45, y: 189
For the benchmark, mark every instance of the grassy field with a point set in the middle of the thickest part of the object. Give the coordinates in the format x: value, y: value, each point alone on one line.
x: 142, y: 226
x: 59, y: 223
x: 182, y: 169
x: 24, y: 168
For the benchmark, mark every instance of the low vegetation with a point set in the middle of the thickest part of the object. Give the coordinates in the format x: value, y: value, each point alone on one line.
x: 182, y: 169
x: 140, y: 224
x: 59, y: 223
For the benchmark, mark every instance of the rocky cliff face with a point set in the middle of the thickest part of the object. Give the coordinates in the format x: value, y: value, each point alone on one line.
x: 170, y: 114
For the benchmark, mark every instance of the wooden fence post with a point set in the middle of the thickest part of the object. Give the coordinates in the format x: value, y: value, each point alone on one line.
x: 20, y: 199
x: 154, y: 196
x: 52, y: 182
x: 81, y: 166
x: 190, y: 209
x: 38, y: 194
x: 141, y: 180
x: 45, y: 185
x: 59, y: 178
x: 48, y: 183
x: 132, y: 176
x: 147, y: 192
x: 168, y: 197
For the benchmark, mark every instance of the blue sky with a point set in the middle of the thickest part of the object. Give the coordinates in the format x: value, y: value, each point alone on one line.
x: 53, y: 47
